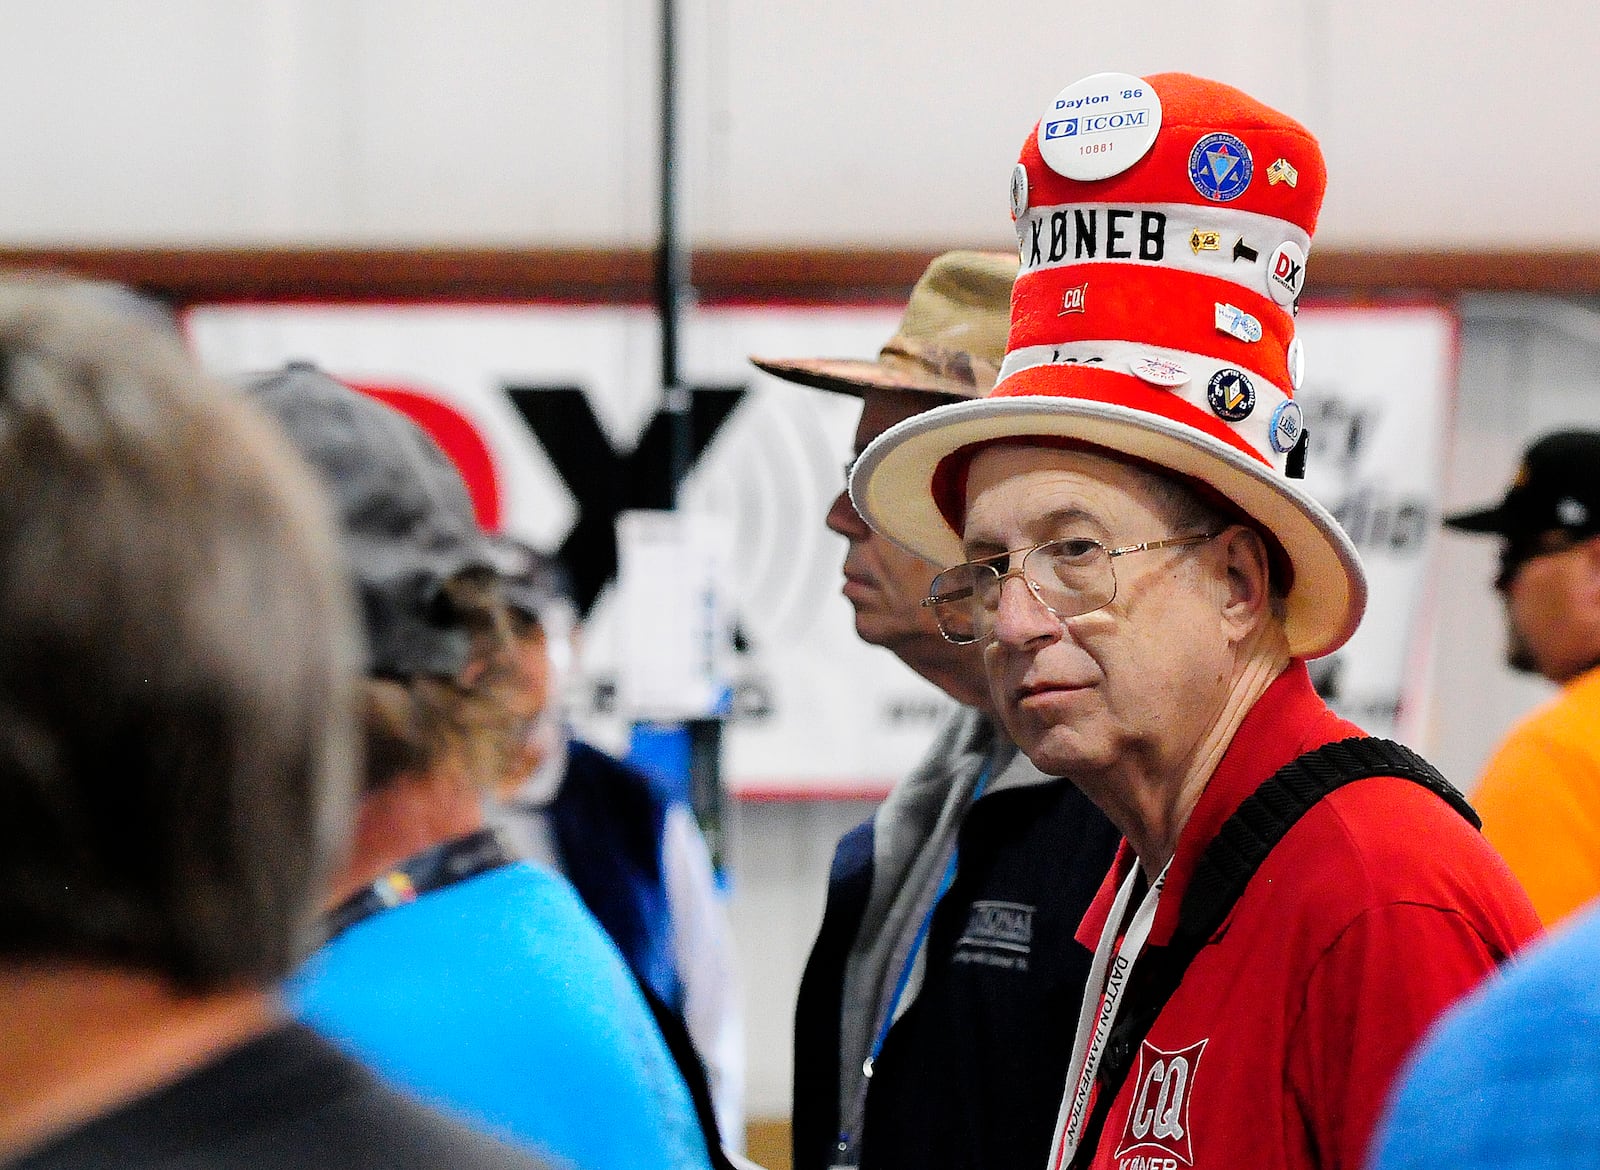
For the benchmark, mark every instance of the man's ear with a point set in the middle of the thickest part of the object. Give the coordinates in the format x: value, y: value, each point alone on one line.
x: 1248, y: 601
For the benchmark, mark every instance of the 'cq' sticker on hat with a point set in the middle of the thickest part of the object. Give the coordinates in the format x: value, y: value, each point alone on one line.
x: 1231, y: 395
x: 1019, y: 190
x: 1100, y: 126
x: 1220, y: 167
x: 1288, y: 423
x: 1286, y: 273
x: 1159, y: 371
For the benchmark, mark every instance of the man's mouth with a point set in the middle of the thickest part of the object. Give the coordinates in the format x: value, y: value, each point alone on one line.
x: 1035, y: 690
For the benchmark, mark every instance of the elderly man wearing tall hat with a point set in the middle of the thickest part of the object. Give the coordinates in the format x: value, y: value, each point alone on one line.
x: 1293, y: 903
x: 937, y: 1006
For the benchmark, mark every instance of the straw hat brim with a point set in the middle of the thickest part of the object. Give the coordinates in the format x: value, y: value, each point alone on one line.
x: 892, y: 487
x: 854, y: 376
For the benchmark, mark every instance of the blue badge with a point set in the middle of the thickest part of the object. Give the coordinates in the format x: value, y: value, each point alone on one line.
x: 1235, y: 322
x: 1220, y: 167
x: 1288, y: 423
x: 1231, y: 395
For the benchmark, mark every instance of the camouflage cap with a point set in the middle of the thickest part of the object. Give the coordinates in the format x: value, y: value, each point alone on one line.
x: 950, y: 341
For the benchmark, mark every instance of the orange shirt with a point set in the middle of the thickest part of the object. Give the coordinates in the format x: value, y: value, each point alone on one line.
x: 1540, y: 800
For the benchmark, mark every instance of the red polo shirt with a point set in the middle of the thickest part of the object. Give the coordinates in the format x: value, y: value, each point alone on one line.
x: 1376, y: 911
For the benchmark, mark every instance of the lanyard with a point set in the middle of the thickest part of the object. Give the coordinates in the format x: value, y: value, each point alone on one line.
x: 915, y: 951
x: 844, y: 1149
x: 1099, y: 1011
x: 890, y: 1016
x: 432, y: 869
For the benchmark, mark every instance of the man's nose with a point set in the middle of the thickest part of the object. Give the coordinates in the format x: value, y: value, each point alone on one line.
x: 842, y: 518
x: 1020, y: 618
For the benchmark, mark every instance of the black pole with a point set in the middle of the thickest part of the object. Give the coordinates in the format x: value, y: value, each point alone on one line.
x: 672, y: 291
x: 672, y: 268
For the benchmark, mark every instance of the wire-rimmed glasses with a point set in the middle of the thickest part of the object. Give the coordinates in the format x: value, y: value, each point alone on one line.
x: 1068, y: 577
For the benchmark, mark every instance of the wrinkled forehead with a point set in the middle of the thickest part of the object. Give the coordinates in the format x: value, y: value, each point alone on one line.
x: 1035, y: 490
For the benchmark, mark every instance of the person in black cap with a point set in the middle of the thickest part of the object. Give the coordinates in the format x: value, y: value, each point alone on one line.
x: 1540, y: 794
x: 478, y: 982
x: 177, y: 770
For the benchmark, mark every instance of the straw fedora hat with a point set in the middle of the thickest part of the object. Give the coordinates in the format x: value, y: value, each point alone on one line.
x: 950, y: 341
x: 1163, y: 224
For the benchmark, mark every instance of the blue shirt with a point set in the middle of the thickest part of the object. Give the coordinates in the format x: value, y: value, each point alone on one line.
x: 500, y: 999
x: 1510, y: 1077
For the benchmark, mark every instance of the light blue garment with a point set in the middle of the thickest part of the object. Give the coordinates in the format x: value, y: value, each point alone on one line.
x: 499, y: 998
x: 1511, y: 1076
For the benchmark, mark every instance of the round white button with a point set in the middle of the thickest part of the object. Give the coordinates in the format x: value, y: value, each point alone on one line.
x: 1297, y: 362
x: 1019, y: 190
x: 1159, y: 371
x: 1286, y: 273
x: 1100, y: 126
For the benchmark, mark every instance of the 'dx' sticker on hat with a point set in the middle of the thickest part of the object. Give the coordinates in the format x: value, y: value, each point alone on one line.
x: 1220, y: 167
x: 1286, y: 273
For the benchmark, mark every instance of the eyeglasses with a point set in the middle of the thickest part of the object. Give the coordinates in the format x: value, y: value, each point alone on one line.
x: 1068, y: 577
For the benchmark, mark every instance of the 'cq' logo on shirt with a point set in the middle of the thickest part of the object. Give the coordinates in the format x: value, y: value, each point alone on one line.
x: 1158, y: 1122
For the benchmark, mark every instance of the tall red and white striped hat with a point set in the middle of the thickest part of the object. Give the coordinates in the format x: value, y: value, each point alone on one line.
x: 1163, y: 224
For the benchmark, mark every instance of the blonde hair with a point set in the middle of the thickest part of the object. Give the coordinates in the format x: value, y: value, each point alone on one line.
x: 467, y: 723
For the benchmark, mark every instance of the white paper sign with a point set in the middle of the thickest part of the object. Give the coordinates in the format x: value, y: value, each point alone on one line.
x: 559, y: 395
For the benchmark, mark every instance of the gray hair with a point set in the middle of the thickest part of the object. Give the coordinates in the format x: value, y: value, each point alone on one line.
x: 178, y: 736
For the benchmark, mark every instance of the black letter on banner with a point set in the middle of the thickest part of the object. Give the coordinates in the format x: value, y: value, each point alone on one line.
x: 1058, y: 236
x: 1086, y: 232
x: 1152, y: 235
x: 1114, y: 233
x: 1038, y: 226
x: 604, y: 483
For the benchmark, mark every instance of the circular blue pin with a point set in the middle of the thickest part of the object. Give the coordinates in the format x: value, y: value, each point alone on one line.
x: 1287, y: 424
x: 1231, y: 395
x: 1220, y: 167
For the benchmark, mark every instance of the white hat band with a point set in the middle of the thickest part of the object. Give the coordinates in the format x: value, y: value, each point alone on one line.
x: 1216, y: 241
x: 1268, y: 419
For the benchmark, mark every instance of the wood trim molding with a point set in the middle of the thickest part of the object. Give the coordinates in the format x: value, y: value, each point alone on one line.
x: 185, y: 276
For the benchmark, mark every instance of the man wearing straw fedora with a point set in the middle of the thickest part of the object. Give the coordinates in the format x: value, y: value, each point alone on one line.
x: 1131, y: 546
x: 937, y: 1007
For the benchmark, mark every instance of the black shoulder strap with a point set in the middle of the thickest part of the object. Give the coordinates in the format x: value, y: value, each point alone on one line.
x: 1226, y: 867
x: 1267, y: 814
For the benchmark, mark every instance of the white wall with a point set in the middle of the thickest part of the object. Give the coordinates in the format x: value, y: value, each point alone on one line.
x: 804, y: 121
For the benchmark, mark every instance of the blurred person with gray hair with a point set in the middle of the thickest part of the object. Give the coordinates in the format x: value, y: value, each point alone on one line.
x: 475, y: 980
x: 177, y: 769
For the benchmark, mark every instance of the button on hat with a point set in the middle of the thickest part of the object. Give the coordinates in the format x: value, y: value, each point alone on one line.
x: 1175, y: 355
x: 950, y: 341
